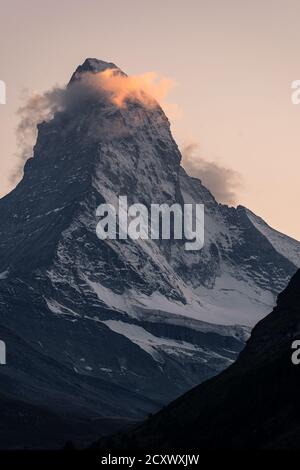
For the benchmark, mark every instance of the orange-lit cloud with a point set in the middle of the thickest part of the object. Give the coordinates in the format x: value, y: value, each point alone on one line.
x: 148, y: 88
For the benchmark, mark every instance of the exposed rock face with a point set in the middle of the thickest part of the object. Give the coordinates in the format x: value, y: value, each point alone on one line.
x: 118, y: 328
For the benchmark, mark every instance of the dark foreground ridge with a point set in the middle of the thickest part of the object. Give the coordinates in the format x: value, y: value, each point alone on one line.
x: 253, y: 404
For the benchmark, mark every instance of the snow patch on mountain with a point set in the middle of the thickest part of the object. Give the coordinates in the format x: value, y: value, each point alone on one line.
x: 285, y: 245
x: 150, y: 343
x: 231, y: 302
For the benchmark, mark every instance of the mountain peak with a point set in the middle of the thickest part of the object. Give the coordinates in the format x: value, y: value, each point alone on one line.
x: 94, y: 66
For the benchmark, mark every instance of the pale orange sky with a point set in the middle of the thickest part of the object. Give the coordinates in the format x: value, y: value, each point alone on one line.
x: 233, y: 62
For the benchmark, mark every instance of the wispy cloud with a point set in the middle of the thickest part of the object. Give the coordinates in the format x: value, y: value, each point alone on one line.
x: 149, y: 88
x: 221, y: 181
x: 119, y: 87
x: 34, y: 110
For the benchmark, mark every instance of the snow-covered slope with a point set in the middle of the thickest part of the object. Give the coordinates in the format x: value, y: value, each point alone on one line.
x: 145, y: 317
x: 285, y: 245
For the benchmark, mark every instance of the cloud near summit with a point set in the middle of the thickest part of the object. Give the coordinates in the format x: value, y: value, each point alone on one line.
x: 147, y: 88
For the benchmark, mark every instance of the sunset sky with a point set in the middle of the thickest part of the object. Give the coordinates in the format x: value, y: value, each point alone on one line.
x: 232, y: 61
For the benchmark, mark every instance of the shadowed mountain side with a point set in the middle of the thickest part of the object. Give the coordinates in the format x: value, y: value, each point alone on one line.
x: 253, y: 404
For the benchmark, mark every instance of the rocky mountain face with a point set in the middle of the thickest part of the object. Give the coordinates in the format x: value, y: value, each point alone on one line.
x: 104, y: 332
x: 253, y: 404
